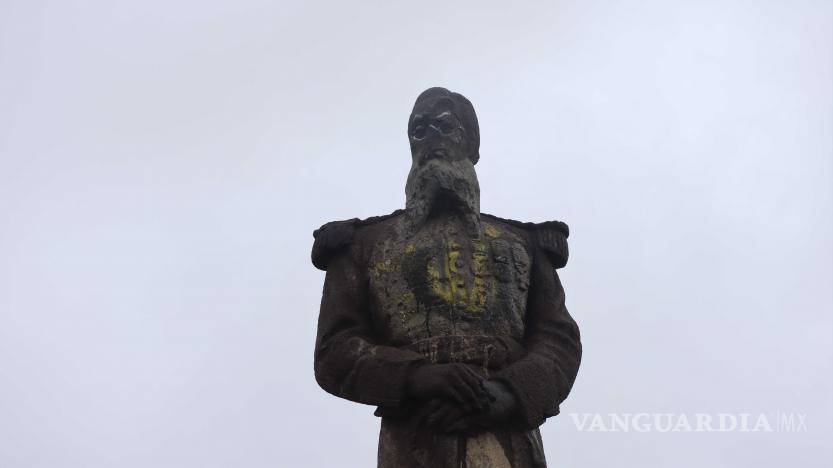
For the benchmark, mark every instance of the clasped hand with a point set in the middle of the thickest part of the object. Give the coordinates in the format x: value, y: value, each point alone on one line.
x: 458, y: 399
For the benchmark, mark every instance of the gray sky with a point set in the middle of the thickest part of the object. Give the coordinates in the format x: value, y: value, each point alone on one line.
x: 163, y: 164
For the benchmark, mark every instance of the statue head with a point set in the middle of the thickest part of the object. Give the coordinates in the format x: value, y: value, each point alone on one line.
x: 443, y: 125
x: 445, y: 146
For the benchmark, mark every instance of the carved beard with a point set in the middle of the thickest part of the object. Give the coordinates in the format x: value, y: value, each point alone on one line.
x: 439, y: 186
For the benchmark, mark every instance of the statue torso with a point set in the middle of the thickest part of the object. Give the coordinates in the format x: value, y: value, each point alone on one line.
x: 441, y: 282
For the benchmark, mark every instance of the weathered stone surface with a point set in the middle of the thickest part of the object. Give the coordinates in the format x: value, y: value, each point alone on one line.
x: 452, y: 322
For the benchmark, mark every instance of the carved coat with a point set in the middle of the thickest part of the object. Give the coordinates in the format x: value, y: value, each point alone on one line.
x: 394, y: 299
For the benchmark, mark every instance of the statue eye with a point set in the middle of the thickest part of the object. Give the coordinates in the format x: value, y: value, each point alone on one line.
x: 447, y: 126
x: 418, y: 132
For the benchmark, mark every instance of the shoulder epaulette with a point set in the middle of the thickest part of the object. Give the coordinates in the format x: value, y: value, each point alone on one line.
x: 335, y: 236
x: 549, y: 236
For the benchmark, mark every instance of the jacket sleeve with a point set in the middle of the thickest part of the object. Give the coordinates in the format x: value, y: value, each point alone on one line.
x: 542, y: 379
x: 348, y: 361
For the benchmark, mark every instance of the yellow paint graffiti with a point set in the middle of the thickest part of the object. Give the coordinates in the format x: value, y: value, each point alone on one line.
x: 380, y: 268
x: 491, y: 231
x: 452, y: 286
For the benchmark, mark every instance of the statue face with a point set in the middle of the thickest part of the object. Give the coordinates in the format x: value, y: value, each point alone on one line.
x: 436, y: 133
x: 442, y: 177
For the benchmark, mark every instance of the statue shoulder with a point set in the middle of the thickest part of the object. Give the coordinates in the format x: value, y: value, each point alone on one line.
x: 550, y: 237
x: 336, y: 236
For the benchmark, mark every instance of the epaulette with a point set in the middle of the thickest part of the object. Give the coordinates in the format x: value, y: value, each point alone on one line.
x: 335, y: 236
x: 549, y: 236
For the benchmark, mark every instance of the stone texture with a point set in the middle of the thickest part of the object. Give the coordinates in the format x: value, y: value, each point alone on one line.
x: 438, y: 284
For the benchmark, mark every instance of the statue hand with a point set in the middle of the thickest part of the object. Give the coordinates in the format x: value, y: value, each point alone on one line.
x: 445, y: 414
x: 449, y: 417
x: 455, y: 382
x: 502, y: 405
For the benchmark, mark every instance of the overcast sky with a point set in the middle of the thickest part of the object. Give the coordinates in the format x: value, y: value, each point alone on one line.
x: 163, y: 165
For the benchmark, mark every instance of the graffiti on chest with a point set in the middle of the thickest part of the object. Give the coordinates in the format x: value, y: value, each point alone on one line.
x: 468, y: 277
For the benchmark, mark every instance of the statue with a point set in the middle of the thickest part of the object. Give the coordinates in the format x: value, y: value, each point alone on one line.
x: 451, y: 321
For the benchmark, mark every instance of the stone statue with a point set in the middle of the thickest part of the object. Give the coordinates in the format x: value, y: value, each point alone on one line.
x: 451, y: 321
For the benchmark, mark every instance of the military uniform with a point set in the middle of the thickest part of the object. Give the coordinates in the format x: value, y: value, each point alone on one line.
x: 395, y: 298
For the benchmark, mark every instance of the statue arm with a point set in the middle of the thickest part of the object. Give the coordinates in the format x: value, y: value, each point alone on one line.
x: 348, y: 362
x: 542, y: 379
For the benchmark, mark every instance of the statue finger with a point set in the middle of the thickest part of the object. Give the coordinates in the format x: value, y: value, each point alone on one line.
x: 469, y: 394
x: 476, y: 384
x: 430, y: 408
x: 457, y: 395
x: 460, y: 424
x: 451, y: 418
x: 440, y: 413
